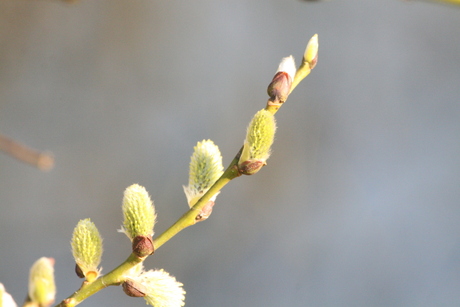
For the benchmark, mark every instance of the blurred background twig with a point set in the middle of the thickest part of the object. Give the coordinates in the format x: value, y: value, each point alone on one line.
x: 42, y: 160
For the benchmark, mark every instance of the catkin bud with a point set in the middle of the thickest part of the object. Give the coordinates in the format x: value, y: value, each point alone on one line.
x: 280, y: 87
x: 42, y: 289
x: 311, y: 52
x: 156, y: 286
x: 257, y: 145
x: 138, y: 211
x: 205, y: 168
x: 87, y: 249
x: 162, y: 289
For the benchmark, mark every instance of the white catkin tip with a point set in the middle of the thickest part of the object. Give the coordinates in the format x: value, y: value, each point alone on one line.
x: 288, y: 65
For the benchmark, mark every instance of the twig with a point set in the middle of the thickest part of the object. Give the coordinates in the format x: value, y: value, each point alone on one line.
x: 42, y: 160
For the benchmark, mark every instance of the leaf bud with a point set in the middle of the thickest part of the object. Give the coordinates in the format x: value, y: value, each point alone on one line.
x: 311, y: 52
x: 205, y: 212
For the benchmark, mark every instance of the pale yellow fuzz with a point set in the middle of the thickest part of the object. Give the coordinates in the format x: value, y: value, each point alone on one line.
x: 138, y: 211
x: 205, y: 168
x: 259, y: 138
x: 87, y: 247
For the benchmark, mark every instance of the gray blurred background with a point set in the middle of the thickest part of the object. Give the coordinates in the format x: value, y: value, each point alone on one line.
x: 359, y: 204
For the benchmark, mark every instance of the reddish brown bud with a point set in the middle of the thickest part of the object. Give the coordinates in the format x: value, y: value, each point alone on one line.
x: 143, y: 246
x: 279, y: 88
x: 79, y: 271
x: 251, y: 167
x: 134, y: 289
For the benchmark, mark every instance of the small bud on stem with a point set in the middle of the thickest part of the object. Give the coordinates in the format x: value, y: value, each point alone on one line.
x: 311, y: 52
x: 143, y: 246
x: 205, y: 212
x: 310, y: 58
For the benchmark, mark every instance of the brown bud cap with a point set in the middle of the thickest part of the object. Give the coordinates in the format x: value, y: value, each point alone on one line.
x: 133, y: 288
x: 279, y: 88
x: 251, y: 167
x: 205, y: 212
x: 79, y: 271
x: 143, y: 246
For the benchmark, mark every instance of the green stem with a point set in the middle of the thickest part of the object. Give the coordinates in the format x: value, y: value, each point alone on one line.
x: 303, y: 71
x: 115, y: 277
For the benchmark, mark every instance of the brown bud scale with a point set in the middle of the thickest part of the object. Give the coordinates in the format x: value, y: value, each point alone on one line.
x: 251, y: 167
x: 79, y: 271
x: 133, y: 289
x: 143, y: 246
x: 280, y: 86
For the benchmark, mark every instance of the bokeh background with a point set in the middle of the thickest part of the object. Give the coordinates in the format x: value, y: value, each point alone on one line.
x: 359, y: 204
